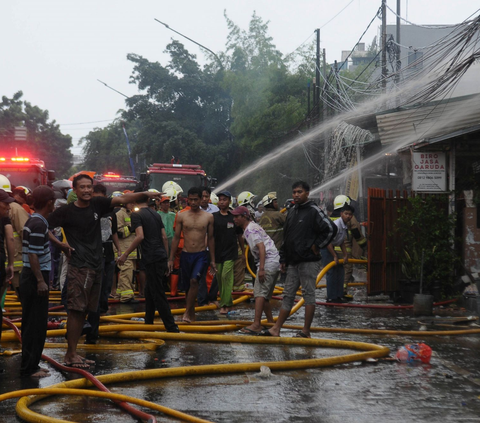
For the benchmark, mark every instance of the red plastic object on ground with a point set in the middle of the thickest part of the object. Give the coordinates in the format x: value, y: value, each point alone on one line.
x: 411, y: 352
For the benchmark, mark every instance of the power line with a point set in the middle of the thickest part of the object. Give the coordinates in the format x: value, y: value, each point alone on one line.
x: 325, y: 24
x: 310, y: 36
x: 85, y: 123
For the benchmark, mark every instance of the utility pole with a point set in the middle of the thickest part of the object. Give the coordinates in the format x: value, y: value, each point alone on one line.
x: 399, y: 62
x: 308, y: 102
x: 384, y: 46
x: 324, y: 71
x: 317, y: 74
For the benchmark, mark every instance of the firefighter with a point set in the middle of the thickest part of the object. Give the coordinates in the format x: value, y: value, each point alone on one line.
x: 245, y: 198
x: 18, y: 217
x: 126, y: 237
x: 272, y: 220
x: 354, y: 234
x: 214, y: 199
x: 174, y: 191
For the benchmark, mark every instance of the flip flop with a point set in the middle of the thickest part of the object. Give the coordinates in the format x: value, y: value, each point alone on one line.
x: 266, y: 332
x: 300, y: 334
x: 248, y: 331
x: 89, y: 362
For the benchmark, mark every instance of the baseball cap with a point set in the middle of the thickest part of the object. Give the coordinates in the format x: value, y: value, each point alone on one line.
x: 241, y: 211
x: 225, y: 193
x: 5, y: 198
x: 43, y: 192
x: 164, y: 198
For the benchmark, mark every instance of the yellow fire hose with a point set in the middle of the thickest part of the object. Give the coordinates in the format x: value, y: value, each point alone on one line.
x: 153, y: 339
x: 367, y: 351
x: 25, y: 413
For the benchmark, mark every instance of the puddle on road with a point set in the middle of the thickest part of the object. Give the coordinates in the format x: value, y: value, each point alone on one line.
x: 355, y: 392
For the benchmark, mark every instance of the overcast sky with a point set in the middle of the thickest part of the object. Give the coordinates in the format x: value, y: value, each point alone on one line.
x: 54, y: 51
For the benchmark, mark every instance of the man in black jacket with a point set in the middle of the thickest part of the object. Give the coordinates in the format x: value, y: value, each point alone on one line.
x: 307, y: 230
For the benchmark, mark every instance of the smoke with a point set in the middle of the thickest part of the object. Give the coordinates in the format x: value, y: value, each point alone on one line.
x: 437, y: 84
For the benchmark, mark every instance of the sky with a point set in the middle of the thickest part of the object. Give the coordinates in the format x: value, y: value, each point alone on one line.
x: 55, y: 51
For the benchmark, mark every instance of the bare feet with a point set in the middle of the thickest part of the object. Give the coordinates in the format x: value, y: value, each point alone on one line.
x: 269, y: 332
x: 249, y: 331
x: 187, y: 319
x: 224, y: 310
x: 41, y: 373
x: 77, y: 361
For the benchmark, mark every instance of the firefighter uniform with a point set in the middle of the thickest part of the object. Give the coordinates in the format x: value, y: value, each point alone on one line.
x: 354, y: 234
x: 272, y: 221
x: 125, y: 239
x: 18, y: 217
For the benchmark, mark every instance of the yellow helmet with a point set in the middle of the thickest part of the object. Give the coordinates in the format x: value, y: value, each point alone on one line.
x: 269, y: 199
x: 246, y: 198
x: 214, y: 198
x: 172, y: 184
x: 171, y: 193
x: 340, y: 201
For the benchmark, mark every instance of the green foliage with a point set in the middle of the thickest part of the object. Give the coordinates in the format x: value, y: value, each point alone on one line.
x: 425, y: 226
x: 105, y: 150
x: 45, y: 141
x: 222, y: 116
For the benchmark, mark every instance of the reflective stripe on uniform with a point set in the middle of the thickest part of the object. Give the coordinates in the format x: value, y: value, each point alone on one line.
x: 15, y: 263
x: 337, y: 248
x: 131, y: 256
x: 127, y: 292
x: 268, y: 231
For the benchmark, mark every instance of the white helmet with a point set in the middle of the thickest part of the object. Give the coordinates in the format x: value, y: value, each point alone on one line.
x: 171, y: 184
x: 269, y: 199
x: 171, y: 193
x: 214, y: 198
x: 156, y: 191
x: 25, y: 189
x: 245, y: 198
x: 5, y: 184
x: 340, y: 201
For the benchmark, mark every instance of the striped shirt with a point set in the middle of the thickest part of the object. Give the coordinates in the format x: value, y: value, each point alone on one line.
x: 35, y: 241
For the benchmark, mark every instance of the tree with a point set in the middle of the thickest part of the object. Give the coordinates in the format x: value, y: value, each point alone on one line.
x: 246, y: 101
x: 268, y: 100
x: 45, y: 141
x: 106, y: 150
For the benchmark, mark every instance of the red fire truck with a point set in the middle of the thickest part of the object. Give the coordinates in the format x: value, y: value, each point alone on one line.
x: 185, y: 175
x: 115, y: 182
x: 25, y: 171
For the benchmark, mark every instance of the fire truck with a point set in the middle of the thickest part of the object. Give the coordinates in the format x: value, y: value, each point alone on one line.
x: 25, y: 171
x: 185, y: 175
x: 115, y: 182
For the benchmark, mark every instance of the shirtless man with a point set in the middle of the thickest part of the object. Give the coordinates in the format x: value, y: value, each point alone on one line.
x: 195, y: 224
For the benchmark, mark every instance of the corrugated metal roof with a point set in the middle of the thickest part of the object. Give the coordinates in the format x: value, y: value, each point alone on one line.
x: 415, y: 124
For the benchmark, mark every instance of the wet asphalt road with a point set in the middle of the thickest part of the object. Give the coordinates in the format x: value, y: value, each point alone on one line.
x: 445, y: 390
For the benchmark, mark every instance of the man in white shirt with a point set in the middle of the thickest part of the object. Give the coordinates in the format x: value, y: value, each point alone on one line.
x: 267, y: 260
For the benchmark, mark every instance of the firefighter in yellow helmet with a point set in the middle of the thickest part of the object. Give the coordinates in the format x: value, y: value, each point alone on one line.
x: 245, y: 198
x: 18, y: 216
x: 354, y: 235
